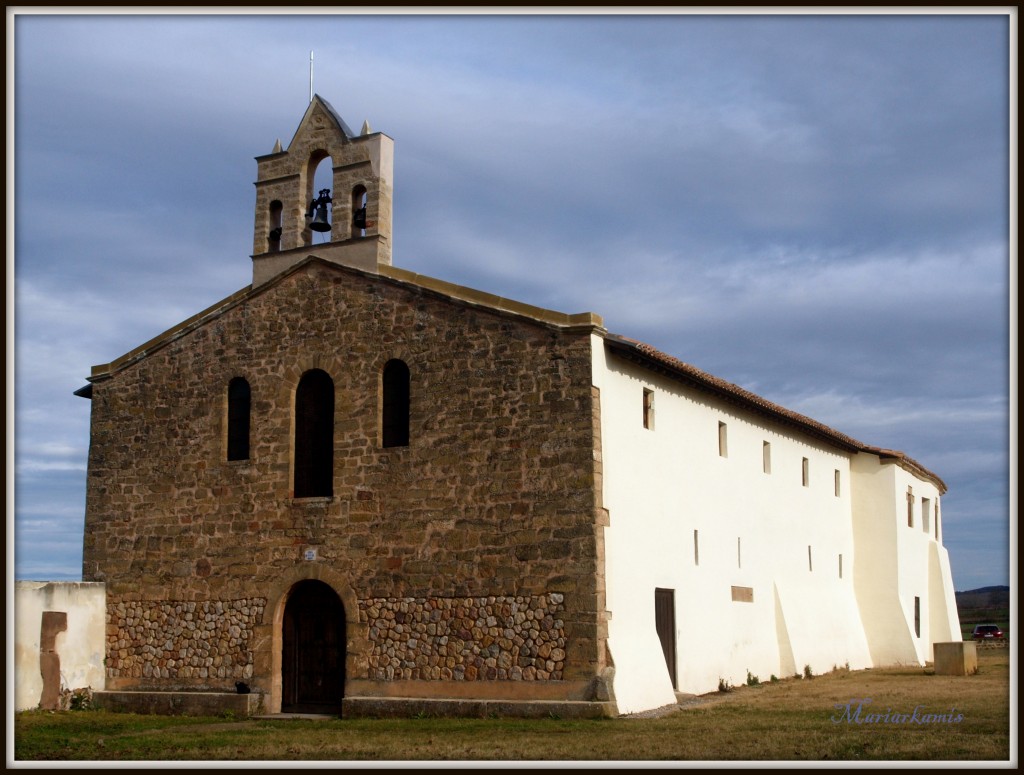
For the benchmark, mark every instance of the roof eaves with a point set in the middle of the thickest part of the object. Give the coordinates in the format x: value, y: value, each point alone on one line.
x: 907, y: 463
x: 673, y: 367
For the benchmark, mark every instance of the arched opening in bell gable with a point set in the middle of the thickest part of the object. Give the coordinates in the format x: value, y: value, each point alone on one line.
x: 275, y: 226
x: 359, y: 199
x: 319, y: 198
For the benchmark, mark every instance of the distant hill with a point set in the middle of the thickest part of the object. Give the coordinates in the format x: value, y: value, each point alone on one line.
x: 988, y: 605
x: 985, y: 597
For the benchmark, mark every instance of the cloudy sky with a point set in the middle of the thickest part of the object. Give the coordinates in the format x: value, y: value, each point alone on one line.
x: 813, y: 207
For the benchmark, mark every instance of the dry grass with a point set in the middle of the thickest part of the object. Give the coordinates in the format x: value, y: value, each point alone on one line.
x: 795, y: 719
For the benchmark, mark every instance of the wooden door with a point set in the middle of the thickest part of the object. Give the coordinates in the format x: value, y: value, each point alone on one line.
x: 313, y: 650
x: 665, y: 623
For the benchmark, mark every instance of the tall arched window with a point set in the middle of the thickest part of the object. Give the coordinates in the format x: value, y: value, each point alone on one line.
x: 395, y: 404
x: 314, y: 435
x: 239, y: 407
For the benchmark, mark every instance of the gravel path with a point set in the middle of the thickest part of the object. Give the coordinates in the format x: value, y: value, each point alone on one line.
x: 685, y: 702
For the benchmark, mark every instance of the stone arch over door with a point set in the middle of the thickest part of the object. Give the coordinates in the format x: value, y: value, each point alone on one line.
x: 354, y: 645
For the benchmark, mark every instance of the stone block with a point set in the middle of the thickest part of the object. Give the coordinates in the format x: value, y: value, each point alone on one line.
x: 956, y: 658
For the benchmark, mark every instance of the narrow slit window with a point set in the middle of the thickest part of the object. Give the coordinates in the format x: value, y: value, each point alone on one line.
x: 739, y: 554
x: 805, y: 472
x: 810, y: 562
x: 926, y: 515
x: 917, y: 617
x: 840, y: 566
x: 239, y: 414
x: 649, y: 409
x: 837, y: 478
x: 696, y: 548
x: 723, y: 440
x: 766, y: 457
x: 910, y: 507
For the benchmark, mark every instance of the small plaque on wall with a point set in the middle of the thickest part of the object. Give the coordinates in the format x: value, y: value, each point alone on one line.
x: 309, y: 555
x: 743, y: 594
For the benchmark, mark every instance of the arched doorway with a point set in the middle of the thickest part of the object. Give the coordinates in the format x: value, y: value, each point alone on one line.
x: 312, y: 650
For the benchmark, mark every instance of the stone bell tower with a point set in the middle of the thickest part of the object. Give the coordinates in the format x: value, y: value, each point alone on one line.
x: 354, y: 215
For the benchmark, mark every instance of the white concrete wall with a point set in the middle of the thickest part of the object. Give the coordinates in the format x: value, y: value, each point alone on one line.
x: 81, y: 647
x: 662, y: 484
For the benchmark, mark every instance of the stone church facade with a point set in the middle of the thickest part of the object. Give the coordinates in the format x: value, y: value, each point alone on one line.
x: 349, y: 487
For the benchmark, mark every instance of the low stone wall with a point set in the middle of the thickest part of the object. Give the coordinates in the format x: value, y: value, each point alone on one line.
x: 179, y: 703
x: 198, y: 642
x: 406, y: 707
x: 517, y: 638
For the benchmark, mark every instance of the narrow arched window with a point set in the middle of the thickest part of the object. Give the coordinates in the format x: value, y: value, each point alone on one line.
x: 239, y: 409
x: 395, y: 404
x: 314, y: 435
x: 359, y: 211
x: 274, y: 234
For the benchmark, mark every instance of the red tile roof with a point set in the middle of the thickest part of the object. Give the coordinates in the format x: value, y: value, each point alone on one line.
x: 651, y: 357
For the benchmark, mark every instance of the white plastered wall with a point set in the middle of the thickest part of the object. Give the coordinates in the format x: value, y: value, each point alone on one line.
x: 898, y: 562
x: 754, y: 529
x: 81, y: 647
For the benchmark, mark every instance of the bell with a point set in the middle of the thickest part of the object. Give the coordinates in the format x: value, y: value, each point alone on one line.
x: 320, y: 221
x: 359, y: 221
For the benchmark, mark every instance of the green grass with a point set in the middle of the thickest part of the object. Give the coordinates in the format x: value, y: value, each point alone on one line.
x: 793, y: 719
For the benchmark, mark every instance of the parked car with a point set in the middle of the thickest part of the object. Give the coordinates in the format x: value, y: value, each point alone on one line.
x: 987, y: 632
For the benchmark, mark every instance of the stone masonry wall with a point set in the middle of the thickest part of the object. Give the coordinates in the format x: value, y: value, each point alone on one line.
x: 199, y: 642
x: 519, y: 638
x: 494, y: 497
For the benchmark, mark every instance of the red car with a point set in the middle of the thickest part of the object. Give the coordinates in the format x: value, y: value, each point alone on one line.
x: 987, y: 632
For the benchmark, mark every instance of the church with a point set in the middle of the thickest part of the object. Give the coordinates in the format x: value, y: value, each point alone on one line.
x: 350, y: 488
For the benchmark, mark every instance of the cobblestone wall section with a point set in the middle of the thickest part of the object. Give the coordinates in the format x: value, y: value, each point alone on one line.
x: 518, y: 638
x: 207, y: 640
